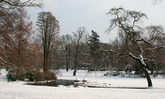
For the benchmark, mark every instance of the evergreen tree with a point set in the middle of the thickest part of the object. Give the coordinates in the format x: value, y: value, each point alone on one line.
x: 94, y: 48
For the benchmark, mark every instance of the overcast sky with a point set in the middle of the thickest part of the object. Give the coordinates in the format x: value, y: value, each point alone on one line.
x: 92, y: 14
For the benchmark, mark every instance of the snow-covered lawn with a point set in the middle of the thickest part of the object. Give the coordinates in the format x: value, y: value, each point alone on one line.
x: 16, y: 90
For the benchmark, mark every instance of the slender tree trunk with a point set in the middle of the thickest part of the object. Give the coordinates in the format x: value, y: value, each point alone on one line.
x: 17, y: 74
x: 46, y: 63
x: 74, y: 72
x: 76, y: 61
x: 75, y: 67
x: 67, y: 67
x: 45, y: 67
x: 67, y: 63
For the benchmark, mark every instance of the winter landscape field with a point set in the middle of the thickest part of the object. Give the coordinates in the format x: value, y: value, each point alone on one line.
x: 17, y: 90
x: 82, y: 49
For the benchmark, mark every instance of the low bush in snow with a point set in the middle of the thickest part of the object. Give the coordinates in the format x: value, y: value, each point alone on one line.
x: 31, y: 76
x: 41, y: 76
x: 11, y: 76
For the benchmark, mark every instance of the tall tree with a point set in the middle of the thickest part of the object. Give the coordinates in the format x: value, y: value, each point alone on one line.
x: 94, y: 44
x: 9, y: 14
x: 128, y: 23
x: 67, y: 49
x: 78, y: 39
x: 17, y: 46
x: 48, y: 27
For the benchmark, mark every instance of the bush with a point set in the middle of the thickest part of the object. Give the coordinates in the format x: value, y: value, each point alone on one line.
x: 22, y: 76
x: 31, y: 76
x: 41, y: 76
x: 11, y: 76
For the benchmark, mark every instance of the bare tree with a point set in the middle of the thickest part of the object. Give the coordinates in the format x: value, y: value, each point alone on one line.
x: 16, y: 51
x: 128, y: 22
x: 21, y: 3
x: 67, y: 49
x: 156, y: 37
x: 9, y: 10
x: 48, y: 27
x: 78, y: 39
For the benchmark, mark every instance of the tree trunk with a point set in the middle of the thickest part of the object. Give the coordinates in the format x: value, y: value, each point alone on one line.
x: 143, y: 66
x: 147, y: 77
x: 67, y: 67
x: 76, y: 61
x: 17, y: 74
x: 152, y: 69
x: 46, y: 63
x: 74, y: 72
x: 67, y: 64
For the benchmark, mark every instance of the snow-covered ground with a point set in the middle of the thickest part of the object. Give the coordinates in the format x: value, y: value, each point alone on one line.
x: 17, y: 90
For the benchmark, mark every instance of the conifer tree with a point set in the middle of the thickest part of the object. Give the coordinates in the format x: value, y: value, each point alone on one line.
x: 94, y: 48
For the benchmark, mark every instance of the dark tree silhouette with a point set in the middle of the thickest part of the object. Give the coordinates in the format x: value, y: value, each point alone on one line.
x: 94, y: 45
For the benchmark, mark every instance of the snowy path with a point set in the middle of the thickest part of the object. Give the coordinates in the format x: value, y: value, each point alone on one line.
x: 16, y: 90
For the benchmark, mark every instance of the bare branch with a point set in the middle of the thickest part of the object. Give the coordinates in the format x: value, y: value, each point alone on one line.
x: 19, y: 3
x: 142, y: 40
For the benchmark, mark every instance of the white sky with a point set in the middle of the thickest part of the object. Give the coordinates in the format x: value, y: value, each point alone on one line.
x: 92, y: 14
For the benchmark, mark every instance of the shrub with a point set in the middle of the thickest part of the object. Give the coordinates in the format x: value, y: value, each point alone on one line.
x: 21, y: 76
x: 11, y: 76
x: 31, y: 76
x: 41, y: 76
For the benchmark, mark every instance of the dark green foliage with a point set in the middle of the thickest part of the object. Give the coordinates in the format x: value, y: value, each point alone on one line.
x: 30, y: 76
x: 11, y: 76
x: 22, y: 76
x: 94, y: 49
x: 94, y: 44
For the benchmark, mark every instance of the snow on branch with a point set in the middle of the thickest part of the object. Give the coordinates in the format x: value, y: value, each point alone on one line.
x: 25, y: 3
